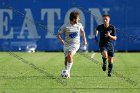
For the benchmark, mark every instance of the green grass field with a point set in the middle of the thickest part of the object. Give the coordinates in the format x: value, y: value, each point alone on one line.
x: 40, y: 73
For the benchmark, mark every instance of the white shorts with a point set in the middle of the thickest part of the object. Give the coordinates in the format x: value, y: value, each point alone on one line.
x: 72, y: 48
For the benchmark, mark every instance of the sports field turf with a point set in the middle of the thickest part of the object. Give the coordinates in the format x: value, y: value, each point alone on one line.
x: 40, y: 73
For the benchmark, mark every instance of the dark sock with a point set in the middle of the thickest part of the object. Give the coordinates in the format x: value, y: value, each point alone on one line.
x: 110, y: 66
x: 104, y: 60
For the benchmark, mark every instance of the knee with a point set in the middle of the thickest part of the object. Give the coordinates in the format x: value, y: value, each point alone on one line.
x: 104, y: 54
x: 110, y: 60
x: 69, y: 57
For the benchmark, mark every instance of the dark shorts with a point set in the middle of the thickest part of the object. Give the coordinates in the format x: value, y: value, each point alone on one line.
x: 109, y: 48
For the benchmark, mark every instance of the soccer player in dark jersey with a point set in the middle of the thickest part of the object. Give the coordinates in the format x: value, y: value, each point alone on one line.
x: 107, y: 36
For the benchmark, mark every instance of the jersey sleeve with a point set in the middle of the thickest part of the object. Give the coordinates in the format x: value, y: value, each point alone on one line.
x: 81, y: 27
x: 98, y: 28
x: 62, y: 29
x: 114, y: 31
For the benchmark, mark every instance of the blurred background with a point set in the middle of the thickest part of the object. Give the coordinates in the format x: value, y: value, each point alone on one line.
x: 32, y: 25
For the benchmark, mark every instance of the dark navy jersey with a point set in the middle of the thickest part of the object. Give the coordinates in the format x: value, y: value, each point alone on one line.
x: 104, y: 39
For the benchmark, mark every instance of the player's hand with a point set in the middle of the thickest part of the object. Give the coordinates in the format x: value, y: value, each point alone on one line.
x: 62, y: 41
x: 84, y: 43
x: 96, y: 39
x: 108, y: 34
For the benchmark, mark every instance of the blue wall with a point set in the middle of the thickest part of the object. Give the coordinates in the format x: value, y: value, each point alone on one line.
x: 36, y: 22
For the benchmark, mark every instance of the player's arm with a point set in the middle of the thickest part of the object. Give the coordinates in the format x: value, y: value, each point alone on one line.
x: 60, y: 38
x: 61, y: 31
x: 84, y: 37
x: 113, y: 36
x: 96, y: 34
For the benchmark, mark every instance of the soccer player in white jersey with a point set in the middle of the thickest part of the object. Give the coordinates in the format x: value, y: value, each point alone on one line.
x: 71, y: 40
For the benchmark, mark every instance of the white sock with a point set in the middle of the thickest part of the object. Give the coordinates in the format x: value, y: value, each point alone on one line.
x: 69, y: 65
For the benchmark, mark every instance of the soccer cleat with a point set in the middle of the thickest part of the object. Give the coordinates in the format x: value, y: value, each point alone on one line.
x: 68, y: 76
x: 109, y: 74
x: 104, y: 67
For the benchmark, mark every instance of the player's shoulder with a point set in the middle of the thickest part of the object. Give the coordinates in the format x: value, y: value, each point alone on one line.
x: 112, y: 26
x: 100, y: 26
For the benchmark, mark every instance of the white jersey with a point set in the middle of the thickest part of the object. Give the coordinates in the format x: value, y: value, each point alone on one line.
x: 72, y: 33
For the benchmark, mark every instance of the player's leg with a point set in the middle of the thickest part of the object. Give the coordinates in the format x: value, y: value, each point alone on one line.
x: 69, y: 61
x: 104, y: 57
x: 72, y: 50
x: 65, y: 62
x: 110, y: 59
x: 65, y: 54
x: 110, y: 65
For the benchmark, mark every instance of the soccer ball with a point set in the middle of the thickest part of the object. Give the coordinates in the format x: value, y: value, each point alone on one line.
x: 64, y: 73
